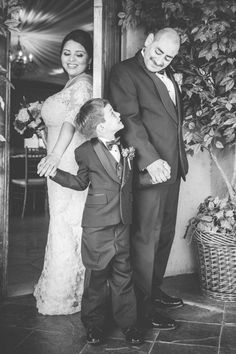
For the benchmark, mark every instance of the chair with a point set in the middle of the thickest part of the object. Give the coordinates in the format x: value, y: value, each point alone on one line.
x: 31, y: 182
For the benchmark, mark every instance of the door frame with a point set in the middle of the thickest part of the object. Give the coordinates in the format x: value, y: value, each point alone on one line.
x: 4, y: 162
x: 107, y: 43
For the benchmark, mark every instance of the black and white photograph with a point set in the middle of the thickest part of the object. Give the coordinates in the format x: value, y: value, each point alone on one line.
x: 117, y: 176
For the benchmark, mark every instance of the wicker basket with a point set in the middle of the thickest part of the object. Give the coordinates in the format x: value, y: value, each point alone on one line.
x: 217, y: 258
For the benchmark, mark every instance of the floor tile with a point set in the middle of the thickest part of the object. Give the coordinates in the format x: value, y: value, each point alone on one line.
x: 149, y: 335
x: 192, y: 333
x: 26, y: 300
x: 22, y: 288
x: 70, y: 324
x: 43, y: 342
x: 114, y: 346
x: 199, y: 312
x: 228, y: 338
x: 230, y: 313
x: 21, y: 316
x: 24, y: 331
x: 27, y: 241
x: 187, y: 286
x: 181, y: 284
x: 227, y: 351
x: 171, y: 348
x: 11, y: 337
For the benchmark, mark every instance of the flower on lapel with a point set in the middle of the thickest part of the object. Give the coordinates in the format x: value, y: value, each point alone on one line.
x: 179, y: 79
x: 129, y: 154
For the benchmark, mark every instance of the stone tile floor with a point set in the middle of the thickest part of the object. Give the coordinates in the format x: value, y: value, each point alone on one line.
x: 205, y: 326
x: 27, y: 242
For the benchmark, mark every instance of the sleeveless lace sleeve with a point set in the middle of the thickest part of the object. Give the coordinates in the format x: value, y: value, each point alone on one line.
x: 79, y: 93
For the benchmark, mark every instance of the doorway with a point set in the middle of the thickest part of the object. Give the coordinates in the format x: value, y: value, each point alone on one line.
x: 26, y: 240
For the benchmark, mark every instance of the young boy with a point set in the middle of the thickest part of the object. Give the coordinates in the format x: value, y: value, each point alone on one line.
x: 107, y: 214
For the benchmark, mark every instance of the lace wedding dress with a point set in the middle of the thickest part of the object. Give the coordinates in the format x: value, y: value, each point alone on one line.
x: 60, y: 286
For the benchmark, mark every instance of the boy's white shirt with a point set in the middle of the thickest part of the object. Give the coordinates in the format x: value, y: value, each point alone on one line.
x: 114, y: 151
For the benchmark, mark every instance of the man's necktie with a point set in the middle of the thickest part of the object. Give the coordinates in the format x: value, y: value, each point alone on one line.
x: 111, y: 143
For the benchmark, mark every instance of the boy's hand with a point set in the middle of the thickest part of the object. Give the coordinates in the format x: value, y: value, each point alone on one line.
x: 48, y: 165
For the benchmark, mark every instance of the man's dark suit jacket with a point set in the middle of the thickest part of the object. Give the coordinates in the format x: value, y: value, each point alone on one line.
x: 153, y: 125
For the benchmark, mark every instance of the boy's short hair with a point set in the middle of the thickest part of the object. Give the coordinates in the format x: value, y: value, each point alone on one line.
x: 90, y: 115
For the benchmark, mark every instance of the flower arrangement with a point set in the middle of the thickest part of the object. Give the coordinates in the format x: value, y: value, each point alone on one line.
x: 129, y: 154
x: 28, y: 121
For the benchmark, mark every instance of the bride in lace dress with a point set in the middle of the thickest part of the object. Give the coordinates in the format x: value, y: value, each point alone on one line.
x: 60, y: 286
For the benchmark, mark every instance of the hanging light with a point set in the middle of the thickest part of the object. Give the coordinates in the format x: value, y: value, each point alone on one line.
x: 20, y: 60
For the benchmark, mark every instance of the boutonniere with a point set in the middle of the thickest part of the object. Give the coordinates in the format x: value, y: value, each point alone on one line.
x: 179, y: 79
x: 129, y: 154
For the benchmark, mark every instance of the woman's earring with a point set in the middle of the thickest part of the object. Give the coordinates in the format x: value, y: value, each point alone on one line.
x: 89, y: 66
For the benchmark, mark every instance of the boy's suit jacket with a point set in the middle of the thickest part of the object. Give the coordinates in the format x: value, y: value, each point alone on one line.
x: 109, y: 199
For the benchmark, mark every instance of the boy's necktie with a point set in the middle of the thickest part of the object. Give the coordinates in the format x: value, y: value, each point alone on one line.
x: 113, y: 147
x: 111, y: 143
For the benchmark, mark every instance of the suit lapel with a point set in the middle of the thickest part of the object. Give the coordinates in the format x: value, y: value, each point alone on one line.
x: 178, y: 100
x: 99, y: 150
x: 161, y: 88
x: 126, y: 170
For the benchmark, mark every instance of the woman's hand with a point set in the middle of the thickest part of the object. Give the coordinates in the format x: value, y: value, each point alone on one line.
x: 48, y: 165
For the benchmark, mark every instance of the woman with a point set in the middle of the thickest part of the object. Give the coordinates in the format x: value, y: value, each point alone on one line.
x: 60, y: 285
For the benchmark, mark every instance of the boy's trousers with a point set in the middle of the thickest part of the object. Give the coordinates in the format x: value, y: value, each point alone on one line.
x: 115, y: 278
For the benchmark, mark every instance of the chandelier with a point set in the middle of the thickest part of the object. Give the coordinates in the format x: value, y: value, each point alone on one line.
x: 21, y: 61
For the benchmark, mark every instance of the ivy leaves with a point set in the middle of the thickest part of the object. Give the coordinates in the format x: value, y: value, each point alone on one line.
x: 208, y: 62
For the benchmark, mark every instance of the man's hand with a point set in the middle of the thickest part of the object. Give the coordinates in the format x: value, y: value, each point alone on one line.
x: 159, y: 171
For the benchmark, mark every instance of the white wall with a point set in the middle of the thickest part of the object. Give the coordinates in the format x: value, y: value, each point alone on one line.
x: 192, y: 192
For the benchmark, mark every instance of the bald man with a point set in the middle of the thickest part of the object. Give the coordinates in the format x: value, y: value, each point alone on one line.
x: 144, y: 91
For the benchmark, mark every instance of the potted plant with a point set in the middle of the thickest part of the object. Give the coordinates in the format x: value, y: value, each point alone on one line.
x: 207, y: 61
x: 210, y: 124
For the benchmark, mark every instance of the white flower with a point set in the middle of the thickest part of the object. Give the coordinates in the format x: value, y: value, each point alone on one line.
x: 128, y: 153
x: 2, y: 138
x: 179, y: 79
x: 22, y: 115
